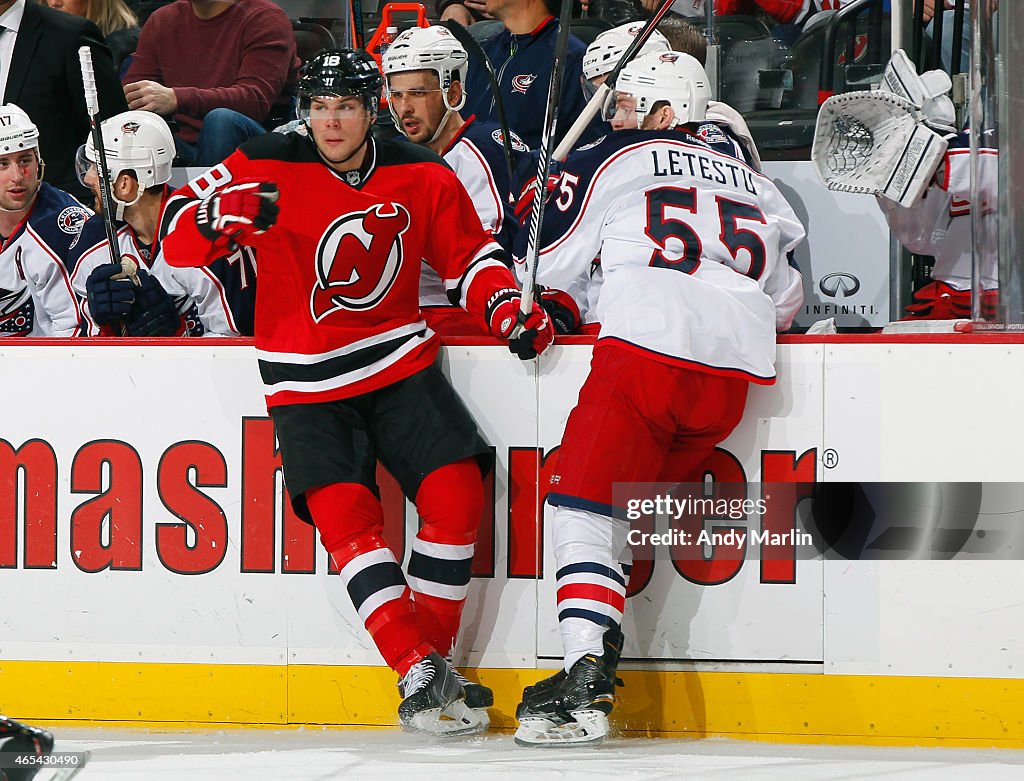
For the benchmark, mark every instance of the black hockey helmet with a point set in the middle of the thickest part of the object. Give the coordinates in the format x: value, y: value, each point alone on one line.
x: 340, y: 72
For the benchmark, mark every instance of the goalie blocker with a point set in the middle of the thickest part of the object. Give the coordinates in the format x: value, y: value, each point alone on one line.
x: 876, y: 143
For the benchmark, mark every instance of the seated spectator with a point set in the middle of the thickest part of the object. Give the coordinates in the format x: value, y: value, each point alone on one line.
x: 522, y: 54
x: 115, y: 19
x: 218, y: 68
x: 160, y: 300
x: 38, y: 226
x: 466, y: 12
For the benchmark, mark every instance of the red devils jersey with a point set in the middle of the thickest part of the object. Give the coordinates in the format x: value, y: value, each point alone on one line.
x: 337, y: 307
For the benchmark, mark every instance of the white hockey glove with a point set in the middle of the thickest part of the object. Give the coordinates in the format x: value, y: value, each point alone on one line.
x: 876, y: 143
x: 928, y: 92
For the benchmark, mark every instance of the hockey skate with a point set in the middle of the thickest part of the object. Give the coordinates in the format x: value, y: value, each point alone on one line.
x: 478, y: 697
x: 27, y: 743
x: 434, y: 702
x: 570, y: 709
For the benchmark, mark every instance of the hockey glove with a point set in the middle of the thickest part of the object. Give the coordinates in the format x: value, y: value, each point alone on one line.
x: 110, y: 299
x: 561, y: 308
x: 243, y: 209
x: 502, y: 315
x: 154, y: 313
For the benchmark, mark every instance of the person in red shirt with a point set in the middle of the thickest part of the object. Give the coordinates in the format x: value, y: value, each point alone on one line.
x: 349, y: 365
x: 238, y: 63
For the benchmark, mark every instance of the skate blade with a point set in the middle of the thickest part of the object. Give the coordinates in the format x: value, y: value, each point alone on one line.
x: 456, y: 719
x: 589, y: 727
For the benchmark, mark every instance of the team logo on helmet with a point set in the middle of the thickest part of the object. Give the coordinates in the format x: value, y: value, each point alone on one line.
x: 522, y: 82
x: 72, y: 219
x: 635, y: 30
x: 358, y: 259
x: 515, y: 141
x: 669, y: 57
x: 130, y: 128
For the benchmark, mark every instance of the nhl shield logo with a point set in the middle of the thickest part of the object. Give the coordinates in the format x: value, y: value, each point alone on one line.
x: 358, y: 259
x: 522, y: 82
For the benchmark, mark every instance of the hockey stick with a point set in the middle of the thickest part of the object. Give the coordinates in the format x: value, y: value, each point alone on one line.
x: 544, y: 163
x: 92, y: 104
x: 597, y: 101
x: 472, y: 45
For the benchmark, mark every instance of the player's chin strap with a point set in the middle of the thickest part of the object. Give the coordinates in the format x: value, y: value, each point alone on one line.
x: 449, y: 110
x: 42, y: 169
x: 120, y: 207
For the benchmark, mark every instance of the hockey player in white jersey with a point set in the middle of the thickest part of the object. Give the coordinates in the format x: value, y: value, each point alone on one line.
x: 695, y: 249
x: 603, y: 55
x: 166, y: 301
x: 425, y: 75
x: 39, y: 224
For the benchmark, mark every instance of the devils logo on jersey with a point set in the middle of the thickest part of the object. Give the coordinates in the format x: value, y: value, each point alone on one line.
x: 358, y: 259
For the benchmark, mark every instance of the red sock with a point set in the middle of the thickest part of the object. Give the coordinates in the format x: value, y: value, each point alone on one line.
x: 450, y: 501
x: 350, y: 520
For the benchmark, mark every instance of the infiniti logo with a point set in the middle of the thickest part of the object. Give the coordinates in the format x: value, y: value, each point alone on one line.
x: 839, y: 284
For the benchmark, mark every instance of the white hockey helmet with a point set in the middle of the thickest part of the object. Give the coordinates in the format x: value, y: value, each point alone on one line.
x: 429, y: 48
x: 17, y: 131
x: 604, y: 52
x: 137, y: 141
x: 670, y: 76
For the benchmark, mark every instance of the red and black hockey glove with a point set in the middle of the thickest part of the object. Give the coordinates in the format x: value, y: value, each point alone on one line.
x: 246, y: 208
x: 503, y: 315
x: 561, y: 308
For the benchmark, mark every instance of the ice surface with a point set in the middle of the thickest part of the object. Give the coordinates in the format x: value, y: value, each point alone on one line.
x: 386, y: 755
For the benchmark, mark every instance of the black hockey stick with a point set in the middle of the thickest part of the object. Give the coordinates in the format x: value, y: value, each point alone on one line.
x: 597, y: 101
x: 358, y: 31
x: 544, y: 162
x: 472, y: 46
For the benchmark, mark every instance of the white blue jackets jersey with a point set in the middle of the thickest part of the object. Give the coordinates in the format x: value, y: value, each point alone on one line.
x: 217, y: 300
x: 522, y: 64
x: 693, y: 246
x: 940, y: 223
x: 477, y: 156
x: 36, y: 298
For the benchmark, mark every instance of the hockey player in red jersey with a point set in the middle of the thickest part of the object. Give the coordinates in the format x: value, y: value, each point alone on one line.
x: 425, y: 76
x: 693, y: 247
x: 340, y: 223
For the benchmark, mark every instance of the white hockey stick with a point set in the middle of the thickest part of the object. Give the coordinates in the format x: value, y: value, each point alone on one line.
x: 92, y: 104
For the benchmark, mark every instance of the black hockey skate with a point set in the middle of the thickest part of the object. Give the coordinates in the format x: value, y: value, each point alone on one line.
x: 30, y: 743
x: 572, y: 708
x: 478, y: 696
x: 434, y: 702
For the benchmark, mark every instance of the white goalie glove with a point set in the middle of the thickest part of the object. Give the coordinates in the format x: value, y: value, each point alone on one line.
x: 883, y: 142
